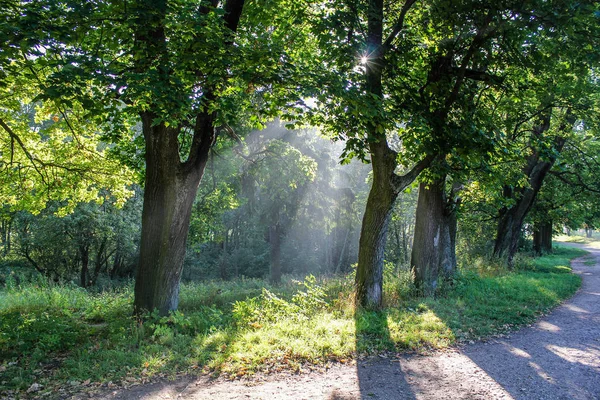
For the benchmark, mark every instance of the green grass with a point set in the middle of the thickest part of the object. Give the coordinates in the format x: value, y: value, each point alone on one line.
x: 58, y: 336
x: 592, y: 242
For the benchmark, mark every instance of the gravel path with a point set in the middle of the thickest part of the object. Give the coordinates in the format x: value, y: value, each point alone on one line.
x: 557, y: 358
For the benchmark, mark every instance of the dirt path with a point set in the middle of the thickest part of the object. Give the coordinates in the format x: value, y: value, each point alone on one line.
x: 557, y: 358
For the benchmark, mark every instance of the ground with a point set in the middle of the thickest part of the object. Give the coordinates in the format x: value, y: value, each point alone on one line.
x: 556, y: 358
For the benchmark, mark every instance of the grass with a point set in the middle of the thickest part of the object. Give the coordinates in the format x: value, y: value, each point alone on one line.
x: 592, y: 242
x: 64, y: 337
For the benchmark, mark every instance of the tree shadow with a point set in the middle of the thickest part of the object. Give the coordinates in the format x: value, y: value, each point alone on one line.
x: 379, y: 376
x: 558, y: 357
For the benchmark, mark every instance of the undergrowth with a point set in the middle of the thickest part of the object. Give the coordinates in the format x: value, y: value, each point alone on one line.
x: 63, y: 335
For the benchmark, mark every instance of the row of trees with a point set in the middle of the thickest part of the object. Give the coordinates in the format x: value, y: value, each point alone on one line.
x: 474, y: 98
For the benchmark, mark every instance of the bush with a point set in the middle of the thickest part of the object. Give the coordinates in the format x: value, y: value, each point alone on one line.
x: 268, y: 307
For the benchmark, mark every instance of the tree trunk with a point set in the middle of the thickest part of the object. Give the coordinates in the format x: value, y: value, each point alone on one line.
x: 542, y: 237
x: 511, y: 219
x: 434, y: 244
x: 373, y: 234
x: 223, y: 261
x: 99, y: 261
x: 117, y: 264
x: 169, y: 193
x: 171, y: 184
x: 6, y: 233
x: 275, y: 253
x: 84, y: 254
x: 589, y: 232
x: 340, y: 260
x: 8, y: 238
x: 405, y: 249
x: 547, y: 237
x: 373, y: 237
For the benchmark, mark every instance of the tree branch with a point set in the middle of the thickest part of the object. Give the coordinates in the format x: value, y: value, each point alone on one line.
x: 580, y: 183
x: 398, y: 26
x: 401, y: 182
x: 15, y: 138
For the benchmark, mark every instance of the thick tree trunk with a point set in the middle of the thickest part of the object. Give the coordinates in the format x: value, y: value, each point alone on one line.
x: 434, y: 245
x: 373, y: 234
x: 169, y: 194
x: 171, y: 184
x: 542, y: 237
x: 510, y: 225
x: 386, y: 184
x: 373, y: 237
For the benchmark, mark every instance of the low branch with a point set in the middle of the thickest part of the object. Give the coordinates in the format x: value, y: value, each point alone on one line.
x: 580, y: 183
x: 30, y: 156
x: 401, y: 182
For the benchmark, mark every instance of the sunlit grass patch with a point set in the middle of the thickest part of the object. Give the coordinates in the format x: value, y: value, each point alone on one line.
x: 557, y: 262
x: 593, y: 242
x: 289, y: 342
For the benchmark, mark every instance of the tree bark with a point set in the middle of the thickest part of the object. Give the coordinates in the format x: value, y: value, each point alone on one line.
x: 100, y: 260
x: 434, y: 245
x: 542, y: 237
x: 373, y: 234
x: 386, y: 184
x: 171, y: 185
x: 84, y: 254
x: 169, y: 193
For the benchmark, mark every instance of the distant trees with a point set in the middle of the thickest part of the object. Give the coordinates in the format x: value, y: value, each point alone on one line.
x: 288, y: 202
x: 93, y: 241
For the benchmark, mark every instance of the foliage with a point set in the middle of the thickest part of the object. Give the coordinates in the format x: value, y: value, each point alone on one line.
x: 101, y: 238
x: 276, y: 176
x: 49, y: 153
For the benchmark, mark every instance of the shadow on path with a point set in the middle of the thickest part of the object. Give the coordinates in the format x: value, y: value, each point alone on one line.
x: 559, y: 356
x: 379, y: 377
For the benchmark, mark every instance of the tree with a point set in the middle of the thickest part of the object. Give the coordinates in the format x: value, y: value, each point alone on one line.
x: 91, y: 240
x: 185, y: 69
x: 361, y: 106
x: 560, y: 94
x: 282, y: 174
x: 569, y: 196
x: 48, y: 153
x: 450, y: 104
